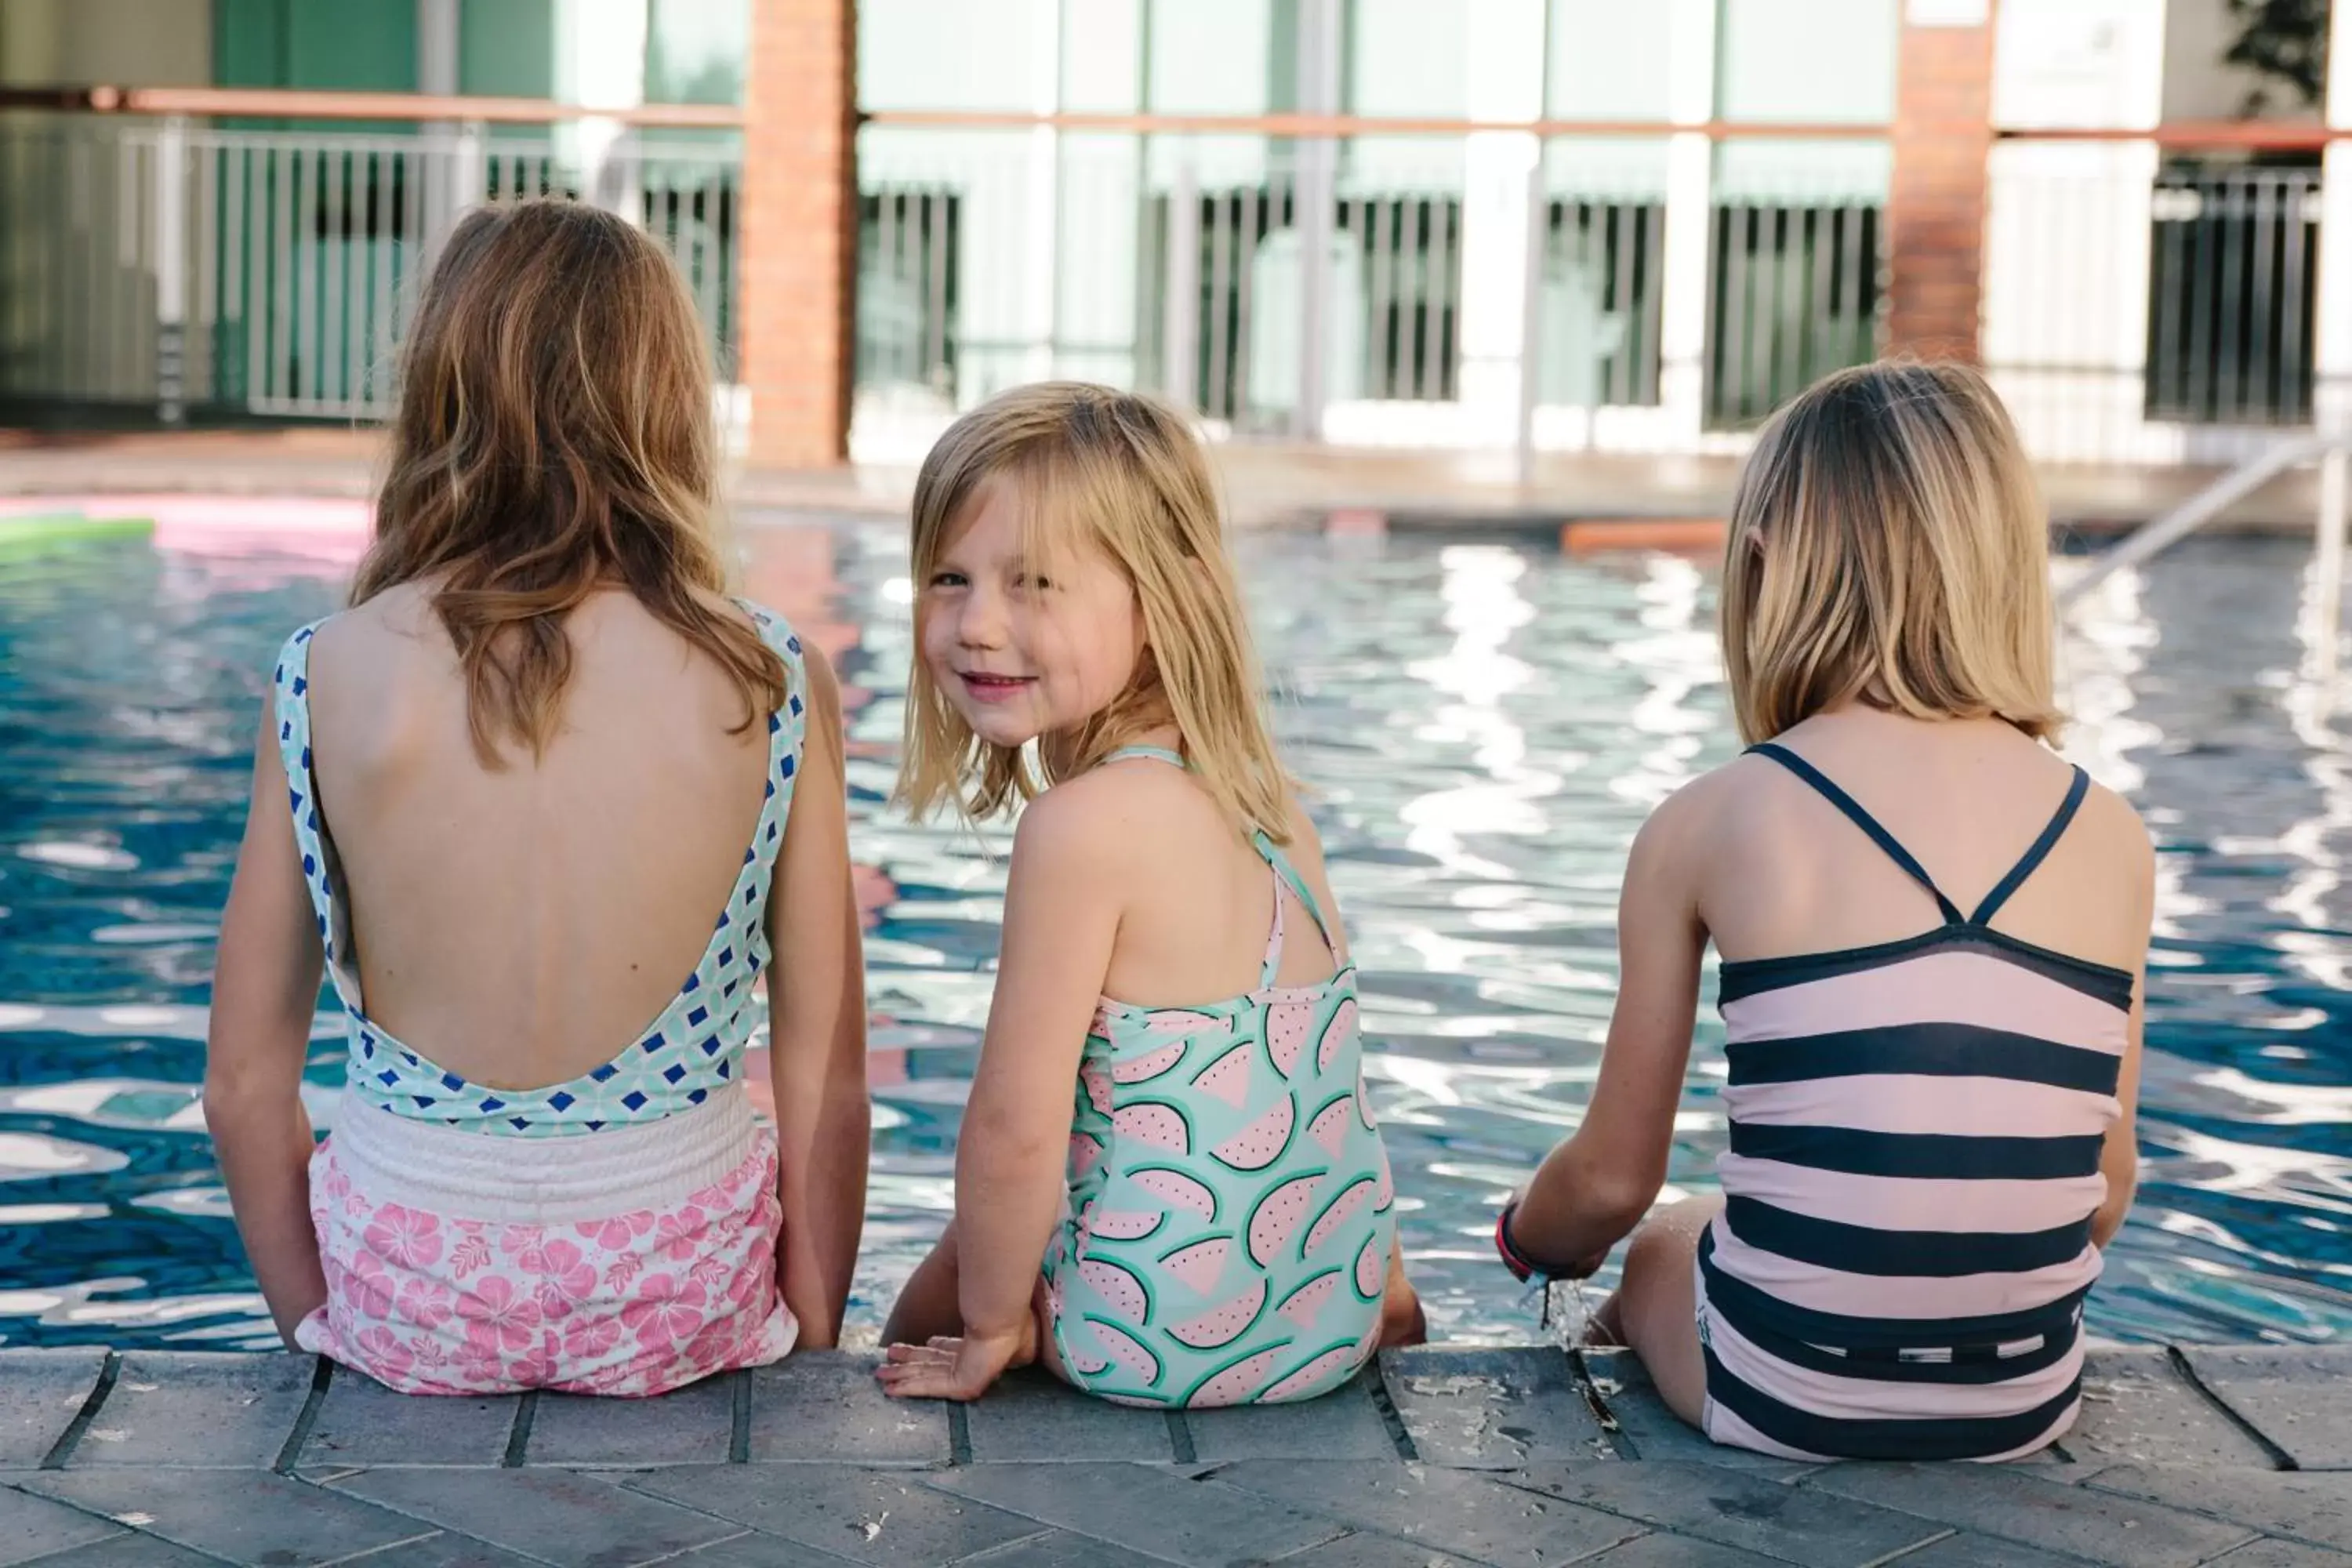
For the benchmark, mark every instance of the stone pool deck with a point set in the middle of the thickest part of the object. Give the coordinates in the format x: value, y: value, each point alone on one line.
x: 1518, y: 1458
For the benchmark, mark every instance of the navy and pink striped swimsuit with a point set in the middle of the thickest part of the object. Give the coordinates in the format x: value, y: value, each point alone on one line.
x: 1915, y: 1130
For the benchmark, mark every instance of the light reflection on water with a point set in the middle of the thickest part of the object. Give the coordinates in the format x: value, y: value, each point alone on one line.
x: 1484, y: 726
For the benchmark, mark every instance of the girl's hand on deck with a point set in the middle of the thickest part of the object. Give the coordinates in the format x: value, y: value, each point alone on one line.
x: 959, y: 1369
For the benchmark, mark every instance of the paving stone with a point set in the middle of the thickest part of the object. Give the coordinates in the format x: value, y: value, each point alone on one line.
x: 1651, y: 1430
x: 694, y: 1425
x: 825, y: 1406
x: 245, y: 1516
x: 1342, y: 1425
x: 2014, y: 1506
x: 442, y: 1549
x: 2314, y: 1506
x: 2292, y: 1394
x: 571, y: 1520
x: 1068, y: 1549
x: 1962, y: 1548
x: 198, y: 1407
x: 2283, y: 1555
x: 748, y: 1550
x: 2139, y: 1409
x: 1145, y: 1509
x: 1359, y: 1552
x: 1492, y: 1409
x: 1736, y: 1509
x: 132, y: 1551
x: 1035, y: 1416
x: 866, y: 1516
x: 40, y: 1394
x: 1680, y: 1551
x: 361, y: 1422
x: 32, y: 1527
x: 1446, y: 1509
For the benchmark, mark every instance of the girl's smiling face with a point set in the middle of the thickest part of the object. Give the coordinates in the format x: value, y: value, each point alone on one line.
x: 1024, y: 649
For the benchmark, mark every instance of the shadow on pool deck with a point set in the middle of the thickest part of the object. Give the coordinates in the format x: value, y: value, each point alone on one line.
x: 2236, y: 1456
x: 1266, y: 484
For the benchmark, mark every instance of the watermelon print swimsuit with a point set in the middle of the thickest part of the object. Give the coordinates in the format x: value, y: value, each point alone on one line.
x: 1230, y: 1214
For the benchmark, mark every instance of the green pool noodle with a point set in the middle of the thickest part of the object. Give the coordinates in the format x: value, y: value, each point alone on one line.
x: 59, y: 528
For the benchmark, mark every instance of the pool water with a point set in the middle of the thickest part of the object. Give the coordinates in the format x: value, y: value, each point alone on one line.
x: 1485, y: 725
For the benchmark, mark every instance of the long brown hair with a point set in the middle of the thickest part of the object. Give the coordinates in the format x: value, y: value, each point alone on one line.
x: 555, y: 437
x: 1887, y: 546
x: 1125, y: 474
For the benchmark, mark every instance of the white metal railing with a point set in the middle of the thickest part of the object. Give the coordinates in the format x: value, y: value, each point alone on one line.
x: 167, y: 264
x: 1488, y: 289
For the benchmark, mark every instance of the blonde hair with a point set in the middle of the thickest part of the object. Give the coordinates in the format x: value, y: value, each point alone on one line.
x: 1123, y: 473
x: 553, y: 436
x: 1887, y: 546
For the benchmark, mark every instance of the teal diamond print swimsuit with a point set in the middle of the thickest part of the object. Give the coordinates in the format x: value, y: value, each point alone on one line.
x: 1230, y: 1213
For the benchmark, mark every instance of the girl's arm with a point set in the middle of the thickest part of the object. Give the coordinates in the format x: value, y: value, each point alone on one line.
x: 1594, y: 1188
x: 1061, y: 918
x: 265, y: 995
x: 2119, y: 1155
x: 816, y: 1027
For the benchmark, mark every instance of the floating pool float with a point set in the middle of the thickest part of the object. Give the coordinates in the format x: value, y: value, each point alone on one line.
x: 59, y: 528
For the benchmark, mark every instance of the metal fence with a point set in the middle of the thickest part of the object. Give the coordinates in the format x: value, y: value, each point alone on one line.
x: 907, y: 287
x: 1793, y: 294
x: 2133, y: 309
x: 1601, y: 300
x: 1221, y: 285
x: 270, y: 273
x: 2233, y: 294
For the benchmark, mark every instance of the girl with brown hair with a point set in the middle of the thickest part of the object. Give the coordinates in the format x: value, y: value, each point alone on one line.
x: 547, y: 805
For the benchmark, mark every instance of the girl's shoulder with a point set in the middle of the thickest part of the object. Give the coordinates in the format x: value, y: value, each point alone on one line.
x: 2111, y: 828
x: 404, y: 610
x: 1124, y: 819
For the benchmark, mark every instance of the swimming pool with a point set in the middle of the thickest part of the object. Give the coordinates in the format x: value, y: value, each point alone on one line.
x: 1486, y: 725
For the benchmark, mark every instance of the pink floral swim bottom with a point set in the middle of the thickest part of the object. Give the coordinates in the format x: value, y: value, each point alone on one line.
x: 636, y: 1302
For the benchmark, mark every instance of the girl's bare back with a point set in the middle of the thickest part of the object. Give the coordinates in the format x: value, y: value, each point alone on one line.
x: 1784, y: 872
x: 521, y: 925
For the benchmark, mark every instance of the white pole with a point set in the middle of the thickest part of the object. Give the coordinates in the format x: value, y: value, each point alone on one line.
x: 1690, y: 219
x: 1314, y: 190
x: 2332, y: 327
x: 1180, y: 339
x: 1042, y: 282
x: 1531, y: 321
x: 2327, y: 568
x: 171, y: 269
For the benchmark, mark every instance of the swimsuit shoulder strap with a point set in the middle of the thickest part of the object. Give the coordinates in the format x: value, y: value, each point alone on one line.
x: 1145, y: 754
x: 1860, y: 818
x: 2040, y: 851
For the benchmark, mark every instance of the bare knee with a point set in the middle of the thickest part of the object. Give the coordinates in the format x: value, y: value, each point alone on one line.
x: 1661, y: 1252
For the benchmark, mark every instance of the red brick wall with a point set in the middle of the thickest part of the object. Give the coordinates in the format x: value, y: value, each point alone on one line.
x: 1943, y: 132
x: 800, y: 230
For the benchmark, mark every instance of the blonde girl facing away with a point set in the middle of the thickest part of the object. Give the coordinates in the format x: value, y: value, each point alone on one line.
x: 1933, y: 933
x: 1170, y: 1189
x: 546, y: 803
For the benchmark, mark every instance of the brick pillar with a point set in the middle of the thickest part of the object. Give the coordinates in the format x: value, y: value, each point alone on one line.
x: 797, y: 329
x: 1936, y: 217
